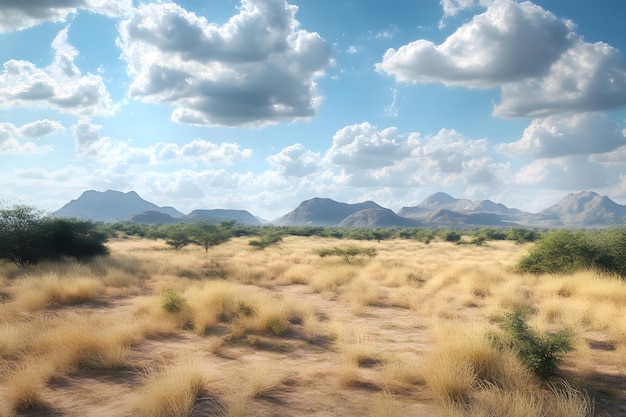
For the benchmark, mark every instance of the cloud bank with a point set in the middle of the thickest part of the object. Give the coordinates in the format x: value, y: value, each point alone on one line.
x: 259, y: 68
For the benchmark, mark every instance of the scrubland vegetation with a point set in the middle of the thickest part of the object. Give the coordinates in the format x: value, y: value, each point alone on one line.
x: 413, y: 325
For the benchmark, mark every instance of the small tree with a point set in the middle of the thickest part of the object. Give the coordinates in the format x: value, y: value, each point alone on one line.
x: 177, y: 236
x: 209, y: 235
x: 20, y: 235
x: 27, y: 237
x: 347, y: 253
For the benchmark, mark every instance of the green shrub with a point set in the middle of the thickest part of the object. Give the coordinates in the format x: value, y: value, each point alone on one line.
x: 348, y: 253
x: 451, y: 236
x: 173, y: 302
x: 568, y: 251
x: 27, y: 237
x: 267, y: 240
x: 541, y: 353
x: 277, y: 325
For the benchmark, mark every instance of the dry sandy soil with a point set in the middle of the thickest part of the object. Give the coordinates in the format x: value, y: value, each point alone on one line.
x: 355, y: 340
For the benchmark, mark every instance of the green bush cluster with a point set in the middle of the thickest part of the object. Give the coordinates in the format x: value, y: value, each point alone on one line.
x: 28, y: 237
x: 568, y: 251
x: 541, y: 353
x: 347, y: 253
x: 266, y: 240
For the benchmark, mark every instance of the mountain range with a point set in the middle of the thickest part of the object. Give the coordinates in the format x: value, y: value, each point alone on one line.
x: 586, y: 209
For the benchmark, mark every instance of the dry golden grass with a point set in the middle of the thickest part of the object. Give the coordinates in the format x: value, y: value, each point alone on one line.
x: 170, y: 390
x: 283, y: 331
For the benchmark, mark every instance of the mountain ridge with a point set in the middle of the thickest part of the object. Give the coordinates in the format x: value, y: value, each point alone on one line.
x: 586, y: 209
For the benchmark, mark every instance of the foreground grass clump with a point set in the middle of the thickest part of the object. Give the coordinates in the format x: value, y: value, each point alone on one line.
x: 471, y: 376
x: 170, y: 391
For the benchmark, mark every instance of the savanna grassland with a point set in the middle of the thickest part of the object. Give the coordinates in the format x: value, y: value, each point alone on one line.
x: 236, y: 331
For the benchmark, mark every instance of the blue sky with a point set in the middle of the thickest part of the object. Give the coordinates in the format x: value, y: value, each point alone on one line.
x: 260, y: 104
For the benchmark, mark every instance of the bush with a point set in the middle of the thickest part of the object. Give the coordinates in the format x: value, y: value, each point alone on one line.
x: 451, y: 236
x: 347, y: 253
x: 27, y: 237
x: 173, y: 302
x: 267, y: 240
x: 568, y: 251
x: 541, y: 353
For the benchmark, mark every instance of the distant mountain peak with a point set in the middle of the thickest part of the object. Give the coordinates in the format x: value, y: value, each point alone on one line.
x: 439, y: 198
x: 587, y: 208
x: 110, y: 206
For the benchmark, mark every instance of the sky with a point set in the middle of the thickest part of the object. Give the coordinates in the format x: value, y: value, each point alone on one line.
x: 261, y: 104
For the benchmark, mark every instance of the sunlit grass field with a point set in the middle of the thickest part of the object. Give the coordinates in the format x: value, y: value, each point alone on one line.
x: 152, y: 331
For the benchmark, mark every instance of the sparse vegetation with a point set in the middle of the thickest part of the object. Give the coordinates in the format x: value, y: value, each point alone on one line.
x: 149, y: 331
x: 348, y: 253
x: 27, y: 237
x: 541, y: 353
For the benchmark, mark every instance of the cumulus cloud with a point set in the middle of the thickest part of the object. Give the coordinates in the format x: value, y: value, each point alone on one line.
x: 60, y: 86
x: 22, y: 14
x: 258, y: 68
x: 571, y: 173
x: 204, y: 152
x: 587, y: 77
x: 508, y: 42
x: 579, y: 134
x: 295, y: 161
x: 11, y: 135
x: 452, y: 7
x: 367, y: 157
x: 41, y: 128
x: 449, y: 150
x: 90, y: 143
x: 541, y: 65
x: 362, y: 146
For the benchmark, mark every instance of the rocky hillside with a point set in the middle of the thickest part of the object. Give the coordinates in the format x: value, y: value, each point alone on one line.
x: 322, y: 212
x: 373, y: 218
x: 581, y: 210
x: 110, y: 206
x: 587, y: 209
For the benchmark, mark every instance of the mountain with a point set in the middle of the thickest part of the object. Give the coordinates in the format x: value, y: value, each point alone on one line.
x: 219, y: 215
x: 153, y: 217
x: 322, y: 212
x: 110, y: 206
x: 443, y: 201
x: 373, y: 218
x: 587, y: 209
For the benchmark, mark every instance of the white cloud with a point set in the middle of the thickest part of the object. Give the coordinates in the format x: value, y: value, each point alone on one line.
x: 568, y: 173
x: 10, y: 136
x: 203, y: 151
x: 452, y: 7
x: 362, y: 156
x: 508, y: 42
x: 579, y: 134
x: 362, y: 146
x: 258, y: 68
x: 295, y: 161
x: 60, y: 86
x: 41, y: 128
x: 587, y: 77
x: 90, y: 143
x: 22, y: 14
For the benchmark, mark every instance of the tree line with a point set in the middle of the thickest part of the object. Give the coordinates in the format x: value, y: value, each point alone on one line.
x: 27, y: 236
